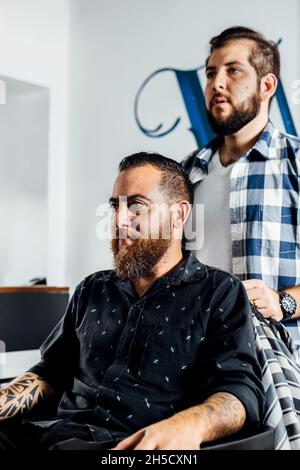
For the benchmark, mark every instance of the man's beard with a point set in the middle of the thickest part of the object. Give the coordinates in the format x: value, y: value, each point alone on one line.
x: 240, y: 116
x: 139, y: 259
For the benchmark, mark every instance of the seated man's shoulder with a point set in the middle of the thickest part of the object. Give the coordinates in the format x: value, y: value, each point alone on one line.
x: 217, y: 276
x: 97, y: 277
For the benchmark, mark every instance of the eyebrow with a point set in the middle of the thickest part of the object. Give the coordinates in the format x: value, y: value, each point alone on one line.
x: 233, y: 62
x: 129, y: 198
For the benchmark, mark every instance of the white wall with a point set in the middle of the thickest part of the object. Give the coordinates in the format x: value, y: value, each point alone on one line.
x: 34, y: 41
x: 115, y: 45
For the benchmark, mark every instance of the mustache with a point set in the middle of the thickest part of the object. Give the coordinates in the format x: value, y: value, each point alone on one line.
x: 218, y: 96
x: 123, y: 233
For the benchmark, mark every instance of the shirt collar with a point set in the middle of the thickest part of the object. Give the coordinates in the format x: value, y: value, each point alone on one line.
x: 267, y: 146
x: 189, y: 270
x: 204, y: 155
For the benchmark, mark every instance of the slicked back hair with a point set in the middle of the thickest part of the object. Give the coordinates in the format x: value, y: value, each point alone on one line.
x: 175, y: 181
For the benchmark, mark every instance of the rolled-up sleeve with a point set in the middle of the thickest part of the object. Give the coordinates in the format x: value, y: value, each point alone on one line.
x: 228, y: 356
x: 60, y: 351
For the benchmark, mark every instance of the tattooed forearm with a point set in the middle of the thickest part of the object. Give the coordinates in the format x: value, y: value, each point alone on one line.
x: 224, y: 415
x: 23, y: 394
x: 220, y: 415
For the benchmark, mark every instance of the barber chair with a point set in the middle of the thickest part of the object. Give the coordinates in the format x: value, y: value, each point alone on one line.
x: 261, y: 439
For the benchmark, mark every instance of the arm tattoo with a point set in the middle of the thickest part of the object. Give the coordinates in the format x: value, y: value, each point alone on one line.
x: 23, y: 394
x: 222, y: 414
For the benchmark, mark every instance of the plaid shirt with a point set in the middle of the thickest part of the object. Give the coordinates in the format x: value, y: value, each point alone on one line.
x: 264, y: 210
x: 281, y: 381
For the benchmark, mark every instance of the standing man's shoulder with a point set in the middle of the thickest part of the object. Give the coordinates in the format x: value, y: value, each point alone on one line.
x: 188, y: 161
x: 203, y: 153
x: 283, y: 141
x: 294, y: 142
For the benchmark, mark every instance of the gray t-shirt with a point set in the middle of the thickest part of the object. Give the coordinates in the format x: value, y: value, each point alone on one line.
x: 213, y: 192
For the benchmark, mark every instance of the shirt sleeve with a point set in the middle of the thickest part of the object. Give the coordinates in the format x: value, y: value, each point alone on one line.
x: 60, y: 351
x: 228, y: 356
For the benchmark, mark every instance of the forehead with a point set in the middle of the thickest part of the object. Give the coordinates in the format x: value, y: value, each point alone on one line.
x: 142, y: 180
x: 232, y: 51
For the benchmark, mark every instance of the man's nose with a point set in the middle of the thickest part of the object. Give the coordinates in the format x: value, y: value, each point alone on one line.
x: 123, y: 216
x: 219, y: 81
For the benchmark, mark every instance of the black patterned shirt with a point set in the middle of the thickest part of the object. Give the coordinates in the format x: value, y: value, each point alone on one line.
x: 126, y: 362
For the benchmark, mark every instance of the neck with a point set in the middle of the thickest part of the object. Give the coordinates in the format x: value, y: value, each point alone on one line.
x: 171, y: 258
x: 235, y: 145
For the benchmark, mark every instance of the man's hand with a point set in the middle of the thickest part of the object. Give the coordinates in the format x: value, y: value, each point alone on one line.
x: 170, y: 434
x: 220, y: 415
x: 264, y: 299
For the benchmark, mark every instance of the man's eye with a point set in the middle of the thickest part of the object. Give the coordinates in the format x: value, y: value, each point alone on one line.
x: 113, y: 207
x: 234, y: 70
x: 210, y: 75
x: 136, y: 207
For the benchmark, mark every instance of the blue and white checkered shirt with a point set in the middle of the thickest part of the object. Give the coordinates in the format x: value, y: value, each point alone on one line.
x: 264, y: 210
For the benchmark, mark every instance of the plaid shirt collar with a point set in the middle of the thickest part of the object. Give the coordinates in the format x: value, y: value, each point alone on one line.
x: 263, y: 147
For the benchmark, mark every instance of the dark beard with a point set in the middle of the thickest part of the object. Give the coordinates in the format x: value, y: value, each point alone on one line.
x: 139, y: 259
x: 240, y: 116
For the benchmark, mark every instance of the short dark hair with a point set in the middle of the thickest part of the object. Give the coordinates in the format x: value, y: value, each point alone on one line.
x: 264, y: 56
x: 174, y: 179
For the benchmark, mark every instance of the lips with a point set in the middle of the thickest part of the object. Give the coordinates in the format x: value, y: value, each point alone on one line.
x: 218, y: 101
x: 127, y: 241
x: 127, y: 236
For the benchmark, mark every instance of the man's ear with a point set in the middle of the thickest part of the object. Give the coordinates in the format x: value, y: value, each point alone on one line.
x: 268, y: 86
x: 180, y: 213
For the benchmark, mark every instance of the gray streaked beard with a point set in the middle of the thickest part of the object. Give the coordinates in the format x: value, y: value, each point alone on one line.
x: 138, y: 260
